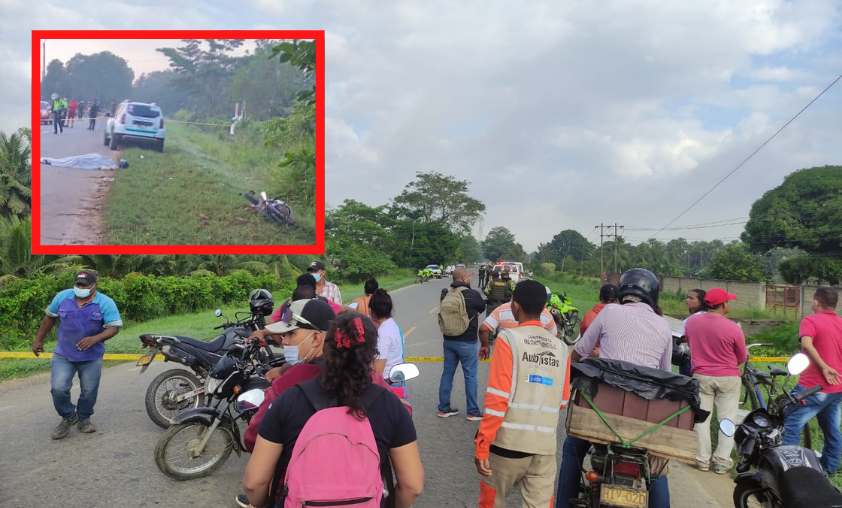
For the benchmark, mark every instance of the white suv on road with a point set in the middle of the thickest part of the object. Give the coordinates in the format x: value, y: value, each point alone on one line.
x: 436, y: 270
x: 136, y: 121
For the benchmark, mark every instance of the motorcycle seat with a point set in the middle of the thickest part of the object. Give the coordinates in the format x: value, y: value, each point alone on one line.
x: 805, y: 487
x: 776, y: 371
x: 211, y: 346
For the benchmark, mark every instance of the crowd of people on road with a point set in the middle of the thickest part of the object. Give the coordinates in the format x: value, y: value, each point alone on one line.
x: 65, y: 112
x: 340, y: 356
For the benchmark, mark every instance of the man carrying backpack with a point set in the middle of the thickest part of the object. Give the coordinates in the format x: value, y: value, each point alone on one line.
x: 458, y: 319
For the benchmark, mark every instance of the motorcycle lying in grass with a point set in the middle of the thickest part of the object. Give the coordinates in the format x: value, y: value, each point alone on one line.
x: 273, y: 210
x: 566, y: 317
x: 200, y: 440
x: 176, y: 390
x: 783, y: 476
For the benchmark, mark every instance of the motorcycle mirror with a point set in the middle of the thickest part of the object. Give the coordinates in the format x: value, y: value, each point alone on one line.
x: 727, y: 427
x: 263, y: 196
x: 218, y: 312
x: 797, y: 364
x: 250, y: 400
x: 402, y: 372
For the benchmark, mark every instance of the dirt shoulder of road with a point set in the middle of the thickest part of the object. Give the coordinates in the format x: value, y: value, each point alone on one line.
x: 82, y: 222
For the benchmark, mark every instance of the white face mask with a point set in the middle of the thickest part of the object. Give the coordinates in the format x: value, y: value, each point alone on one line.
x: 291, y: 352
x: 82, y: 293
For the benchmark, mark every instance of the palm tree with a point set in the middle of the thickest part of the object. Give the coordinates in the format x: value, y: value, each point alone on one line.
x: 223, y: 264
x: 16, y: 174
x: 16, y: 259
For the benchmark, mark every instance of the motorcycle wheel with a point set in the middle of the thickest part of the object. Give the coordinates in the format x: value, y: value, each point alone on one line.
x: 166, y: 386
x: 173, y: 456
x: 752, y: 495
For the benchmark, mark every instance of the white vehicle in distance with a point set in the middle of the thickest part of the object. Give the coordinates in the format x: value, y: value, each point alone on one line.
x: 136, y: 121
x: 515, y: 269
x: 436, y: 270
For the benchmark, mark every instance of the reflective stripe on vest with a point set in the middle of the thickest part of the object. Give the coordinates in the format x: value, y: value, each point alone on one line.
x: 539, y: 363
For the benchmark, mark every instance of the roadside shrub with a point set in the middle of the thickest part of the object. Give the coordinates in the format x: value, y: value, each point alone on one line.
x: 138, y: 297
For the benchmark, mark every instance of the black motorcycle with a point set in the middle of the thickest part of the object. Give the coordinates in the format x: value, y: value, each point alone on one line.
x: 783, y: 476
x: 177, y: 390
x: 200, y: 440
x: 273, y: 210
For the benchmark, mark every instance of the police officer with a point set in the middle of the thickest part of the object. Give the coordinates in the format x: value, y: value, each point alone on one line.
x: 498, y: 291
x: 482, y: 276
x: 55, y: 106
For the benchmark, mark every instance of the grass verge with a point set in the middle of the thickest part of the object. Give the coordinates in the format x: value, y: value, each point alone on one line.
x: 191, y: 194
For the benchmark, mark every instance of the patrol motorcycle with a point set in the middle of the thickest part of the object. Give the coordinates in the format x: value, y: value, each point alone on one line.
x: 176, y: 390
x: 566, y: 317
x: 200, y: 440
x: 783, y: 476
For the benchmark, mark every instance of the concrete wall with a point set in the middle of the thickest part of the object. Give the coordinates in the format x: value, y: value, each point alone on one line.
x: 807, y: 293
x: 750, y: 295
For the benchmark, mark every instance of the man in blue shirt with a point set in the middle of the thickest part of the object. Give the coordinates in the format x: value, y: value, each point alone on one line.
x: 87, y: 319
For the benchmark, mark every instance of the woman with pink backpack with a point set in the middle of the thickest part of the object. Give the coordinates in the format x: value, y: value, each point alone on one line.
x: 331, y: 439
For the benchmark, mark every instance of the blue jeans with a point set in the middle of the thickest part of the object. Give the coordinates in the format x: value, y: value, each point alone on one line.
x: 61, y: 380
x: 684, y: 369
x: 456, y: 351
x: 825, y: 407
x: 570, y: 474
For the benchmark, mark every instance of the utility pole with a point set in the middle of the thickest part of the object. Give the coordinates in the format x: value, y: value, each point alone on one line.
x: 602, y: 235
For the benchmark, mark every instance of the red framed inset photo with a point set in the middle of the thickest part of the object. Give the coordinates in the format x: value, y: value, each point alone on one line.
x: 178, y: 142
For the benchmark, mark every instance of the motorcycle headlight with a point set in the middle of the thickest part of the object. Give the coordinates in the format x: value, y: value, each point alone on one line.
x: 212, y: 385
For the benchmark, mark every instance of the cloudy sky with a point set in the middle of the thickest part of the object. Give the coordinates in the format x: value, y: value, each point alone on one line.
x: 559, y: 114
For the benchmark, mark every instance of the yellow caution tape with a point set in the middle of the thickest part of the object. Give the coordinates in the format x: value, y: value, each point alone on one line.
x: 410, y: 359
x: 7, y: 354
x: 782, y: 359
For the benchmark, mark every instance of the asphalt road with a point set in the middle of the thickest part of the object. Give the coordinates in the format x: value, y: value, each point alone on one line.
x: 115, y: 467
x: 71, y: 199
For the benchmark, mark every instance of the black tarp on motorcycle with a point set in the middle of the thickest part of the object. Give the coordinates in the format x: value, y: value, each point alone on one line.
x: 649, y: 383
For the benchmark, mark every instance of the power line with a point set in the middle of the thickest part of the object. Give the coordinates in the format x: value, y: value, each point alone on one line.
x: 749, y: 157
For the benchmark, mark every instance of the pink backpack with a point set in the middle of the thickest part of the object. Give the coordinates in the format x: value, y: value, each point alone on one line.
x: 335, y: 461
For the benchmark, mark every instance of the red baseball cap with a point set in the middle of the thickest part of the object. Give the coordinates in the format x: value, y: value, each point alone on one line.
x: 718, y: 295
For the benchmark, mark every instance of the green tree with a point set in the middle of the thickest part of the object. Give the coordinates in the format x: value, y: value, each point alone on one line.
x: 500, y: 244
x: 623, y: 253
x: 16, y: 258
x: 205, y: 73
x: 570, y: 243
x: 434, y: 197
x: 55, y: 80
x: 158, y: 87
x: 797, y: 269
x: 269, y: 88
x: 736, y: 262
x: 16, y: 174
x: 469, y: 250
x: 804, y: 212
x: 102, y: 76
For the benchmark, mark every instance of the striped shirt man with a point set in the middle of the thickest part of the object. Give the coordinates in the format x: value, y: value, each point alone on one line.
x: 631, y: 332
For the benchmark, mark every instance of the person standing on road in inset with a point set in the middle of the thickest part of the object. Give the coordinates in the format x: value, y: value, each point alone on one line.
x: 55, y: 107
x: 481, y: 276
x: 719, y: 348
x: 631, y: 332
x: 323, y: 287
x: 460, y: 347
x: 92, y: 113
x: 821, y: 340
x: 87, y: 318
x: 80, y: 111
x: 71, y: 112
x: 528, y: 384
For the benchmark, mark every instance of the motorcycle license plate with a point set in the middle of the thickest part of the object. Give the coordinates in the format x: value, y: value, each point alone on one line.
x: 147, y: 358
x: 615, y: 496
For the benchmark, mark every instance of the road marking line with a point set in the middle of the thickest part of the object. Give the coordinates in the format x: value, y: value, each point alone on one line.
x: 408, y: 332
x: 434, y: 309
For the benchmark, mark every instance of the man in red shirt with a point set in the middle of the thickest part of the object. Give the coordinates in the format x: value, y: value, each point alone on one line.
x: 821, y: 340
x: 719, y: 347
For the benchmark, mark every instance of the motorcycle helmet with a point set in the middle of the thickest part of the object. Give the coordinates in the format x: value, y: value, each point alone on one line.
x: 54, y: 96
x: 641, y: 283
x: 261, y: 302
